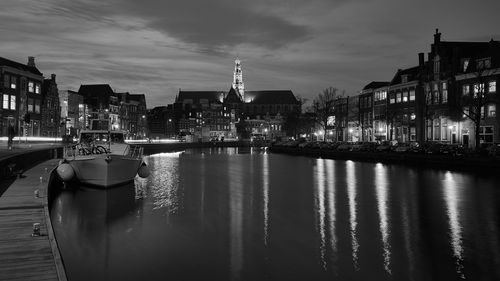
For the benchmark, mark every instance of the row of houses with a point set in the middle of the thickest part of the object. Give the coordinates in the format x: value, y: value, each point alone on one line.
x: 99, y: 107
x: 451, y: 97
x: 35, y: 107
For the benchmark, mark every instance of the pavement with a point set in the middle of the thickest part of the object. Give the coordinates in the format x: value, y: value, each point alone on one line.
x: 23, y: 147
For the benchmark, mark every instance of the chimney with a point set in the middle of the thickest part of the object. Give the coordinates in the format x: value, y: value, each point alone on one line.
x: 53, y: 77
x: 420, y: 59
x: 31, y: 61
x: 437, y: 37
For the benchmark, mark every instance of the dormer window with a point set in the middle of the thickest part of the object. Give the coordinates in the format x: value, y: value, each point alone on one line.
x: 483, y: 63
x: 404, y: 78
x: 465, y: 64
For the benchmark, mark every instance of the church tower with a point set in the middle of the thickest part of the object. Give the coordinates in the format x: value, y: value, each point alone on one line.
x: 238, y: 79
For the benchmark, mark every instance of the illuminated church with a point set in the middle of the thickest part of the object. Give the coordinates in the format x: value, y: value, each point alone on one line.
x: 235, y: 113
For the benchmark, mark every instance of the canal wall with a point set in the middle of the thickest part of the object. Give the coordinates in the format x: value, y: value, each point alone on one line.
x: 13, y: 164
x: 152, y: 148
x: 460, y: 162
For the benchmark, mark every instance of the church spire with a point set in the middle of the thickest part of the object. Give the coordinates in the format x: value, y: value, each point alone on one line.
x: 238, y: 79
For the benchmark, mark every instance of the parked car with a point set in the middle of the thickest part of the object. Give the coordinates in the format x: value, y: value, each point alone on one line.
x: 433, y: 148
x: 494, y: 150
x: 402, y: 148
x: 451, y: 149
x: 344, y: 147
x: 368, y: 146
x: 385, y: 146
x: 356, y: 146
x: 334, y: 145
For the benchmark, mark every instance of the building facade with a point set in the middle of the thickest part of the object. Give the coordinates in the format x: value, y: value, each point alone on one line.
x: 51, y: 110
x: 21, y: 92
x: 107, y: 110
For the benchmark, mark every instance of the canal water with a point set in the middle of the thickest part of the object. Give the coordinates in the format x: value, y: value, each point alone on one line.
x: 243, y: 214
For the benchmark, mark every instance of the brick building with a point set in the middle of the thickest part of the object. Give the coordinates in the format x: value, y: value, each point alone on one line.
x: 21, y: 92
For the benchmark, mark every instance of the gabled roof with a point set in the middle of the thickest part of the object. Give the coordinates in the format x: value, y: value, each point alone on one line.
x: 376, y: 85
x: 413, y: 74
x: 271, y: 97
x: 19, y: 66
x: 196, y: 96
x: 467, y: 49
x: 233, y: 96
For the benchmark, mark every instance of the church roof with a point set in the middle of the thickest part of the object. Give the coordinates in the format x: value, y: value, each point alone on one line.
x: 196, y: 96
x: 95, y: 90
x: 271, y: 97
x: 233, y: 96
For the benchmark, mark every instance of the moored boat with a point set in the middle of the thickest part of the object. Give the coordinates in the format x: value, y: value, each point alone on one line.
x: 102, y: 159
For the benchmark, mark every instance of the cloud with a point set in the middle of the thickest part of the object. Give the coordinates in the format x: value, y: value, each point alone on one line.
x: 213, y: 26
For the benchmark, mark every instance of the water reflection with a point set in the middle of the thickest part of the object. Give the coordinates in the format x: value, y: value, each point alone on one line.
x: 87, y: 219
x: 381, y: 186
x: 320, y: 207
x: 236, y: 219
x: 164, y: 182
x: 331, y: 208
x: 265, y: 196
x: 452, y: 197
x: 219, y: 216
x: 351, y: 193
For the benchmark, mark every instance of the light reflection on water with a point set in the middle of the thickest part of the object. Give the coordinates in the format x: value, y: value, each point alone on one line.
x: 382, y: 198
x: 320, y: 207
x: 229, y: 214
x: 351, y: 192
x: 452, y: 196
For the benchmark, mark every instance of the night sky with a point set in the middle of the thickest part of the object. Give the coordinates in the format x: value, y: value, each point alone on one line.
x: 156, y: 47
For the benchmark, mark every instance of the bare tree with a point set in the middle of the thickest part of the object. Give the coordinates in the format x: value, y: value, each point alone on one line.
x: 323, y: 107
x: 472, y: 103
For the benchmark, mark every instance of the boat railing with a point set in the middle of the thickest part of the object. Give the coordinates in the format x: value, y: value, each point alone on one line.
x: 134, y: 151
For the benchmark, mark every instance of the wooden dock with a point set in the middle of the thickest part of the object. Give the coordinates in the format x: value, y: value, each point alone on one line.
x: 23, y: 256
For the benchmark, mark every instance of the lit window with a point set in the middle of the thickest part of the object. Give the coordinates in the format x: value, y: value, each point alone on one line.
x: 492, y: 110
x: 13, y: 82
x: 465, y: 90
x: 412, y: 95
x: 31, y: 86
x: 444, y: 96
x: 398, y: 97
x: 13, y: 102
x: 413, y: 116
x: 37, y: 88
x: 435, y: 97
x: 5, y: 101
x: 391, y: 97
x: 492, y: 87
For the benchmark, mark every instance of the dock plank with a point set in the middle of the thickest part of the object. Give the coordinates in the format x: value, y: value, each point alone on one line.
x: 23, y: 256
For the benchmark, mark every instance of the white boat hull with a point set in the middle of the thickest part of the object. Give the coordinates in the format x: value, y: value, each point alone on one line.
x: 105, y: 170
